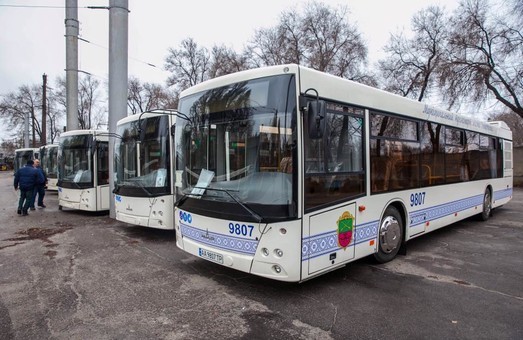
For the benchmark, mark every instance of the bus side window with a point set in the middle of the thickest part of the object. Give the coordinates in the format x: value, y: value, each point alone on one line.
x: 334, y: 166
x: 395, y: 152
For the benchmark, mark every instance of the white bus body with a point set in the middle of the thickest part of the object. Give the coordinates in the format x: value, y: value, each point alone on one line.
x: 370, y: 171
x: 83, y: 170
x: 143, y: 173
x: 49, y: 163
x: 23, y: 155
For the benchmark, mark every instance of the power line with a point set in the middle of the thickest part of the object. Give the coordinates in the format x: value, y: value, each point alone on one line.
x: 62, y: 7
x: 135, y: 59
x: 39, y: 6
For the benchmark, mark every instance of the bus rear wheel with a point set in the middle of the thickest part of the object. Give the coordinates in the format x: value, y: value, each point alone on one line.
x: 390, y: 235
x: 487, y: 206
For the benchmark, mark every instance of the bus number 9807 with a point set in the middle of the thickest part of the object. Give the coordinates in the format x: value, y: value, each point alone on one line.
x: 240, y: 229
x: 417, y: 199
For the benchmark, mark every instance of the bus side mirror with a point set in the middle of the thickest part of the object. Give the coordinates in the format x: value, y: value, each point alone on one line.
x: 316, y: 117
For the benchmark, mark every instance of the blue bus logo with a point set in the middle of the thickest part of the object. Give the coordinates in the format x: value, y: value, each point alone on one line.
x: 186, y: 217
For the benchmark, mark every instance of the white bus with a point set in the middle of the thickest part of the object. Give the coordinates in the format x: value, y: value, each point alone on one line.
x: 143, y: 180
x: 49, y: 163
x: 83, y: 170
x: 23, y: 155
x: 288, y: 173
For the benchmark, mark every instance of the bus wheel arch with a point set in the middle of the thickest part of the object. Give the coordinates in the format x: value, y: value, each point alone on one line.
x: 391, y: 232
x: 486, y: 210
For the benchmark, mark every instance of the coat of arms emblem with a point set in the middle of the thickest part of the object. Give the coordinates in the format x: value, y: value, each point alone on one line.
x: 345, y: 228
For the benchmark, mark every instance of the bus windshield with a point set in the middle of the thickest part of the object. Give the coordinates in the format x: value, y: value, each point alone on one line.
x: 75, y: 168
x: 21, y: 158
x: 49, y: 161
x: 237, y: 148
x: 142, y: 161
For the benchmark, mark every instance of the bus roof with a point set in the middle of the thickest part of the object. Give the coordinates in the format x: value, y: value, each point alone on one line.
x: 353, y: 93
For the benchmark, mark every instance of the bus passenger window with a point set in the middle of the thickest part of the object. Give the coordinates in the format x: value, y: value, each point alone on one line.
x: 394, y: 153
x: 334, y: 166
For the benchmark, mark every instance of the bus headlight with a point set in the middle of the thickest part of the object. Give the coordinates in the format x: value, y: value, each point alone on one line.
x: 276, y: 268
x: 265, y: 251
x: 278, y: 252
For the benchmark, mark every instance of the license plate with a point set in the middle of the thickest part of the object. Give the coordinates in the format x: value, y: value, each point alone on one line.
x: 210, y: 255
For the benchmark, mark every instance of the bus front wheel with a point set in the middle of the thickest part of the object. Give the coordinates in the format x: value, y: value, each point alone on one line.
x: 487, y: 205
x: 390, y: 235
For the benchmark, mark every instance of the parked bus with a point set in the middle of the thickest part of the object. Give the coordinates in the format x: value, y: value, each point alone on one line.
x: 83, y: 170
x: 144, y: 192
x: 23, y: 155
x: 49, y: 163
x: 288, y: 173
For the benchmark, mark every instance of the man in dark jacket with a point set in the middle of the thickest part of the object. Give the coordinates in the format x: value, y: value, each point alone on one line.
x: 39, y: 187
x: 26, y: 178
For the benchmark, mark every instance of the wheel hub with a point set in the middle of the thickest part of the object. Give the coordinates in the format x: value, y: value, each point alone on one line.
x: 486, y: 204
x: 390, y: 234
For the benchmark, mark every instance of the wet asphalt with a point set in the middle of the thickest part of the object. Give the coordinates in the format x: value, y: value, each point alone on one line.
x: 76, y: 275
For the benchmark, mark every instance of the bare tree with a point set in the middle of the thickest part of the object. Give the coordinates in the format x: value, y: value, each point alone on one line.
x: 27, y: 101
x: 282, y: 44
x: 8, y: 148
x: 16, y: 106
x: 147, y: 96
x: 412, y: 64
x: 54, y: 117
x: 189, y: 65
x: 225, y: 61
x: 90, y: 114
x: 485, y: 53
x: 321, y: 38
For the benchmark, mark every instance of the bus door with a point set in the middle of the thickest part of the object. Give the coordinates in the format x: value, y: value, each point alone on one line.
x: 330, y: 240
x: 507, y: 158
x: 103, y: 194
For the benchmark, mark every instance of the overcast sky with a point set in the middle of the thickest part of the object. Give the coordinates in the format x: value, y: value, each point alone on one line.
x: 32, y: 38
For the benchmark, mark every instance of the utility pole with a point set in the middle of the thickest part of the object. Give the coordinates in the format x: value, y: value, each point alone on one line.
x: 43, y: 140
x: 118, y: 76
x: 33, y: 125
x: 71, y: 62
x: 26, y: 129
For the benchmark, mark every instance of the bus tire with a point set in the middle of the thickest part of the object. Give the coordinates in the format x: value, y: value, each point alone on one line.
x: 59, y: 207
x: 390, y: 235
x: 487, y: 205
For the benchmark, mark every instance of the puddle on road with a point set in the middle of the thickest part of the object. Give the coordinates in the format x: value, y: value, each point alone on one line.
x: 38, y: 233
x: 42, y: 234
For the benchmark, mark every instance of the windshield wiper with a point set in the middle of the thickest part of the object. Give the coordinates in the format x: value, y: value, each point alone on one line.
x: 257, y: 217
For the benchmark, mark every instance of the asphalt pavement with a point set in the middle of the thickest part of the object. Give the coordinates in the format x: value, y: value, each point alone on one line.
x: 76, y: 275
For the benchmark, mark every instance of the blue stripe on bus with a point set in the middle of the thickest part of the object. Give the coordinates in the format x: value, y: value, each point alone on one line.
x: 225, y: 242
x: 433, y: 213
x: 327, y: 242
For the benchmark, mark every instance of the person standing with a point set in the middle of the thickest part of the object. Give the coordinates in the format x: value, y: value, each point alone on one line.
x: 40, y: 186
x: 26, y: 178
